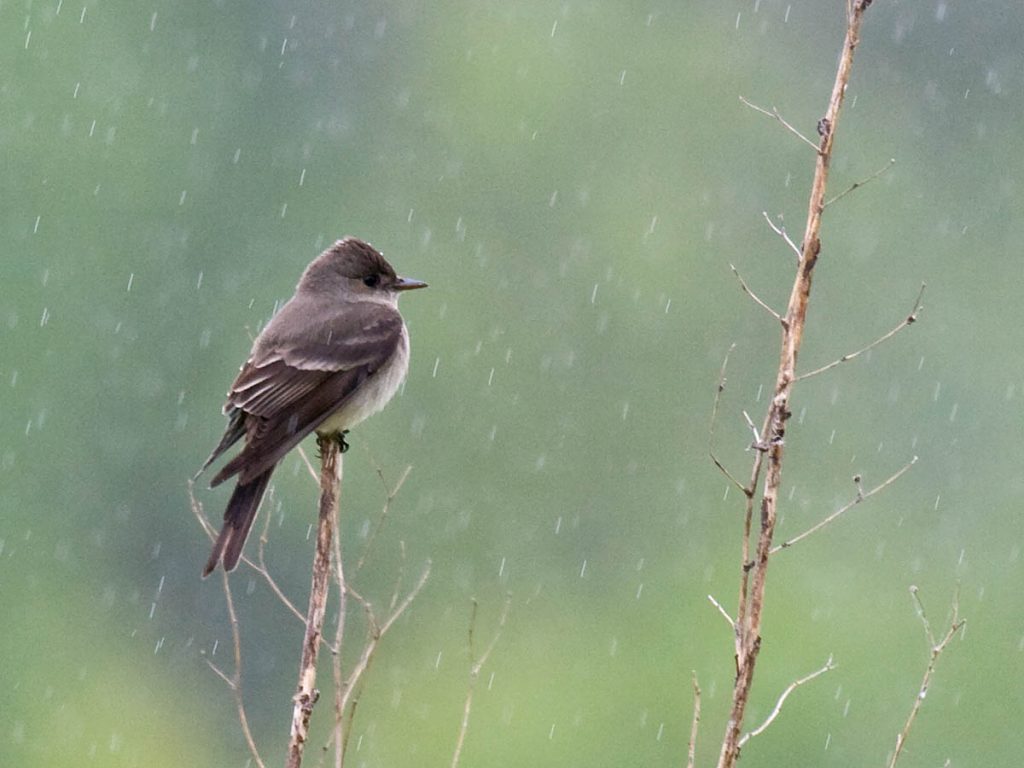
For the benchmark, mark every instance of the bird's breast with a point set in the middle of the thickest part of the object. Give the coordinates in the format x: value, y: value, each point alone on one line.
x: 374, y: 393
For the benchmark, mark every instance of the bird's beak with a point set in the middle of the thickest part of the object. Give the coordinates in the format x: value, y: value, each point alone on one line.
x: 408, y: 284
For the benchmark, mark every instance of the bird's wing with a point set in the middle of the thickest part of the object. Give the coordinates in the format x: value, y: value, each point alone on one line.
x: 291, y: 383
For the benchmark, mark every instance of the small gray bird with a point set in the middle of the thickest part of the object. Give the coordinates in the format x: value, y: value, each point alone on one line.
x: 334, y: 354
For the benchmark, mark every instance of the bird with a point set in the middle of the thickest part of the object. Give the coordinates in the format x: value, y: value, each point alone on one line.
x: 333, y: 355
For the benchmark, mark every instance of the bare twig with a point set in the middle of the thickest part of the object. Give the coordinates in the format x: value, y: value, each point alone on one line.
x: 862, y: 182
x: 260, y: 566
x: 375, y: 632
x: 908, y: 320
x: 475, y: 665
x: 197, y: 510
x: 861, y: 496
x: 389, y: 496
x: 936, y: 649
x: 309, y: 465
x: 235, y: 681
x: 754, y: 569
x: 691, y: 745
x: 829, y: 666
x: 758, y: 443
x: 754, y: 296
x: 306, y: 693
x: 780, y: 230
x: 775, y: 114
x: 721, y: 610
x: 714, y: 419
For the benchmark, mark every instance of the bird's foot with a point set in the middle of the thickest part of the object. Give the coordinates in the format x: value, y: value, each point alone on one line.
x: 335, y: 437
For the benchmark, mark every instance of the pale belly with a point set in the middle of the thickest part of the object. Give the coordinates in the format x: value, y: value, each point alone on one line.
x: 373, y: 394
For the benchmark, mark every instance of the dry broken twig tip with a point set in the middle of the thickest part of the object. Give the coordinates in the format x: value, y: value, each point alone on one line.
x: 774, y: 113
x: 758, y: 444
x: 754, y: 296
x: 722, y: 611
x: 780, y: 230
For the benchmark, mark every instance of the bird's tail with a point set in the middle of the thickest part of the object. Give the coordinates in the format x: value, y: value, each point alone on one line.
x: 238, y: 520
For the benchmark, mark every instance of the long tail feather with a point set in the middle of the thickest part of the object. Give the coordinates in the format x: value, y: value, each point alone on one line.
x: 238, y: 519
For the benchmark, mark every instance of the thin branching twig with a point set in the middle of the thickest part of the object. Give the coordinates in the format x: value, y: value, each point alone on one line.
x: 935, y: 651
x: 754, y: 296
x: 721, y: 610
x: 908, y: 320
x: 780, y: 230
x: 774, y: 113
x: 375, y: 633
x: 714, y: 418
x: 475, y: 665
x: 309, y: 465
x: 861, y: 183
x: 777, y: 709
x: 235, y: 683
x: 389, y: 495
x: 861, y: 496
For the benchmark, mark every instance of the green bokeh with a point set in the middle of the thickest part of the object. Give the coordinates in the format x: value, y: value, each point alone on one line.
x: 573, y: 180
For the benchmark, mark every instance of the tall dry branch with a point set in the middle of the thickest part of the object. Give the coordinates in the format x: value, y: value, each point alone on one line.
x: 772, y: 437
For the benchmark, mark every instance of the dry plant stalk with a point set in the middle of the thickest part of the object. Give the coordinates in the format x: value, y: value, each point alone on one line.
x: 306, y: 693
x: 770, y: 442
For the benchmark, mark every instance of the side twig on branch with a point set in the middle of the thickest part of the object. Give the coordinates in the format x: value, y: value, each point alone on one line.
x: 754, y: 296
x: 908, y: 320
x: 780, y: 230
x: 714, y: 419
x: 777, y: 709
x: 861, y: 183
x: 774, y: 113
x: 861, y: 496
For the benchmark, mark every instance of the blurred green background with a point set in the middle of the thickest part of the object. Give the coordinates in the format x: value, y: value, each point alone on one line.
x: 573, y: 180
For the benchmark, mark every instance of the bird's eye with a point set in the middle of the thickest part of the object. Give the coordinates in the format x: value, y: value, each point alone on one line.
x: 371, y: 281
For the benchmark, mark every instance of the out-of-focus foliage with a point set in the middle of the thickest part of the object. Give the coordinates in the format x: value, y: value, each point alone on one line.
x: 573, y: 180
